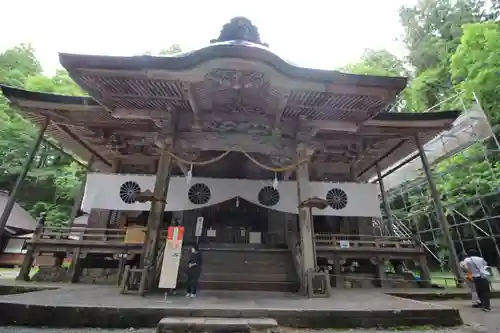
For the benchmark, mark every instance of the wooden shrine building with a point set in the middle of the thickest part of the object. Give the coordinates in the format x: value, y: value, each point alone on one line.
x: 240, y: 137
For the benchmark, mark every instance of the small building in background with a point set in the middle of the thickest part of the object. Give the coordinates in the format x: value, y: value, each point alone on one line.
x: 19, y: 228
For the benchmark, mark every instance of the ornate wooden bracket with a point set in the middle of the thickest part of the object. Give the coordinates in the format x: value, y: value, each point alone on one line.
x: 314, y: 202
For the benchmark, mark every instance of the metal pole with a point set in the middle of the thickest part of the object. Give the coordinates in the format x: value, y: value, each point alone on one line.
x: 443, y: 222
x: 314, y: 240
x: 13, y: 194
x: 383, y: 195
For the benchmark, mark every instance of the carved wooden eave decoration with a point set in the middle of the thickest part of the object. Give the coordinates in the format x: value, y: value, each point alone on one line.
x: 314, y: 202
x: 83, y: 126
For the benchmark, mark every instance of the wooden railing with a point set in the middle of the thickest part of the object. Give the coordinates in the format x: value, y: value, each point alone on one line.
x: 78, y: 234
x: 82, y: 234
x: 294, y: 245
x: 346, y: 242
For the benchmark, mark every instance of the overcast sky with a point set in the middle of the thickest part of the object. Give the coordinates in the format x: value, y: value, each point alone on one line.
x: 314, y: 33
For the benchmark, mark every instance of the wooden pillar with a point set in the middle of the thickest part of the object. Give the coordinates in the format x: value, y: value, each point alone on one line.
x: 29, y: 256
x: 351, y: 225
x: 74, y: 268
x: 115, y: 168
x: 425, y: 274
x: 13, y: 194
x: 443, y: 222
x: 381, y: 272
x: 286, y: 226
x: 77, y: 204
x: 155, y: 218
x: 337, y: 269
x: 178, y: 216
x: 383, y: 196
x: 121, y: 267
x: 305, y: 218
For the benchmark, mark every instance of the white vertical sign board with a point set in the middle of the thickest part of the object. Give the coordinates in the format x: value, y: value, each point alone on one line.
x: 344, y: 244
x: 199, y: 226
x: 171, y: 258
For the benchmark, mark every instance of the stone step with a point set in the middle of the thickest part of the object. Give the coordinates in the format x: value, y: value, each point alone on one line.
x: 287, y: 287
x: 246, y: 269
x: 248, y: 261
x: 246, y: 255
x: 257, y: 277
x: 213, y: 325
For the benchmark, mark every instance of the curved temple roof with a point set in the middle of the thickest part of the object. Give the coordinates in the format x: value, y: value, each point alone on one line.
x: 230, y: 49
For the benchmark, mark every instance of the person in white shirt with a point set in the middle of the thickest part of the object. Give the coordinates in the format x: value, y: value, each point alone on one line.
x: 470, y: 283
x: 476, y: 265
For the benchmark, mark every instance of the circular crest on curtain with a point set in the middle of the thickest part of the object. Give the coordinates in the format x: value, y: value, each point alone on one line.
x: 199, y: 194
x: 129, y: 191
x: 268, y: 196
x: 337, y: 198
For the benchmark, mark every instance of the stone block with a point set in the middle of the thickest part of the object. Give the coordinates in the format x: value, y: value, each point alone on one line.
x: 213, y: 325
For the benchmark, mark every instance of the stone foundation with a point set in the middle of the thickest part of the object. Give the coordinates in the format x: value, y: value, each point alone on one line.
x: 50, y: 274
x: 393, y: 280
x: 105, y: 276
x: 359, y: 280
x: 400, y: 280
x: 99, y: 276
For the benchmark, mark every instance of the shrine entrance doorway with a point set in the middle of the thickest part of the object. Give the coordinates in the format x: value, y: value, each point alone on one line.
x: 239, y: 222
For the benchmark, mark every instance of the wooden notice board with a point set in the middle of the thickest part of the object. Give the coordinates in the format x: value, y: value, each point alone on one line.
x: 135, y: 235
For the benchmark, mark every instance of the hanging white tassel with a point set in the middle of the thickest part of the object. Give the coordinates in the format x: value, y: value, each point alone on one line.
x: 189, y: 175
x: 275, y: 181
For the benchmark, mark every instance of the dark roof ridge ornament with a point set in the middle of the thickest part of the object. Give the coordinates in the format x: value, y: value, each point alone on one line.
x: 239, y: 29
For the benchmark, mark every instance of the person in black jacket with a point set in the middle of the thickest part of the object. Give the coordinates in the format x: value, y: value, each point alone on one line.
x: 193, y: 271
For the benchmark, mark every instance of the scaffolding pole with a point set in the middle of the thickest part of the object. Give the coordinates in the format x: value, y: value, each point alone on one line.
x: 445, y: 228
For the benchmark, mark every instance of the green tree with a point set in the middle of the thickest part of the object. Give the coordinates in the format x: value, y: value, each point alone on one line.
x: 432, y: 31
x: 377, y: 62
x: 172, y: 49
x: 60, y: 83
x: 17, y: 64
x: 54, y: 177
x: 475, y: 66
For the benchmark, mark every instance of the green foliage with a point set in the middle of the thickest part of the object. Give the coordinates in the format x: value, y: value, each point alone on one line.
x: 426, y: 90
x: 60, y: 83
x: 377, y: 62
x: 54, y: 178
x: 475, y: 66
x: 173, y: 49
x: 17, y: 64
x: 453, y: 46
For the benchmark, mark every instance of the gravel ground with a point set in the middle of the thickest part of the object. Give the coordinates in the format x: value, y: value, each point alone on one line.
x: 475, y: 320
x: 70, y: 330
x: 36, y: 330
